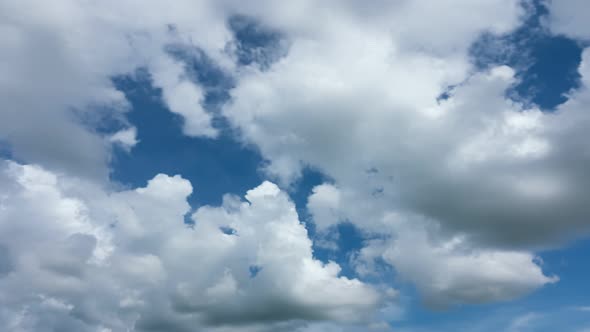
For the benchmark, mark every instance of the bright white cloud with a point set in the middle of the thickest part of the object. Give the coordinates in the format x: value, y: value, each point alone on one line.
x: 476, y: 162
x: 83, y: 45
x: 182, y: 96
x: 84, y: 258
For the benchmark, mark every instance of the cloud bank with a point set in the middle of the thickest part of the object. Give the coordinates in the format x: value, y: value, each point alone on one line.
x: 450, y: 181
x: 83, y: 257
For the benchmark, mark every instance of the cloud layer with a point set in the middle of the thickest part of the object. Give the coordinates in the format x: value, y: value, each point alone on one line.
x: 127, y: 259
x: 450, y: 182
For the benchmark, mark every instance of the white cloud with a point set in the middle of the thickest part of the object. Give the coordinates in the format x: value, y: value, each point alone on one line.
x: 126, y: 138
x: 450, y: 271
x: 476, y: 165
x: 61, y: 57
x: 84, y: 258
x: 366, y: 113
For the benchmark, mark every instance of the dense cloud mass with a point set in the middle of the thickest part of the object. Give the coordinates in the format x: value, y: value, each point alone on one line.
x: 451, y: 182
x: 84, y: 257
x: 475, y: 161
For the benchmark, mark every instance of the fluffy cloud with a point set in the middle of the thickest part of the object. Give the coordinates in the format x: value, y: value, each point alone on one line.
x: 83, y: 258
x: 59, y: 62
x: 452, y: 271
x: 494, y: 176
x: 368, y: 114
x: 60, y: 58
x: 483, y: 169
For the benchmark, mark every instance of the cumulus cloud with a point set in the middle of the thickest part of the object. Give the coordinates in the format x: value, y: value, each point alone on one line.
x: 59, y: 62
x: 452, y: 271
x: 83, y: 258
x: 494, y: 176
x: 450, y: 267
x: 475, y: 161
x: 84, y: 45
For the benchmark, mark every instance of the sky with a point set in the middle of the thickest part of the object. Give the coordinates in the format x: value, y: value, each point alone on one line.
x: 302, y: 166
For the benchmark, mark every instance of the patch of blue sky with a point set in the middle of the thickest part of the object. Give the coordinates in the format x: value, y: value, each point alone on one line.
x: 221, y: 165
x: 5, y: 150
x: 214, y: 166
x: 546, y: 65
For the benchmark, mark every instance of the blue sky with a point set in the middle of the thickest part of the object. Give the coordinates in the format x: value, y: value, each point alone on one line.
x: 341, y: 167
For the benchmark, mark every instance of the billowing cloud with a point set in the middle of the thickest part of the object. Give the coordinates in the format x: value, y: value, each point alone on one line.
x: 410, y: 129
x: 59, y: 62
x: 78, y: 258
x: 476, y: 164
x: 474, y: 161
x: 60, y: 59
x: 453, y: 271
